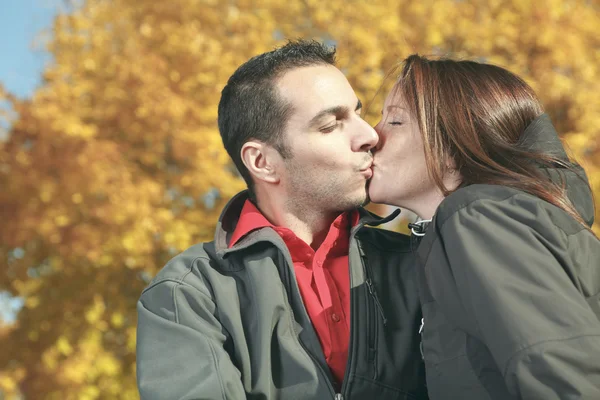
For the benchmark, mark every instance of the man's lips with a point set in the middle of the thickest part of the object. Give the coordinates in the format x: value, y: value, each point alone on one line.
x: 366, y: 166
x: 367, y: 172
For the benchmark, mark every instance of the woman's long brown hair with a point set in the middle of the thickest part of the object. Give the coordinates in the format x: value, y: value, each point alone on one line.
x: 474, y: 114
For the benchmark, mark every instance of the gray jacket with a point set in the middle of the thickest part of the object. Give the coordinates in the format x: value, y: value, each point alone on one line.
x: 510, y: 287
x: 220, y: 323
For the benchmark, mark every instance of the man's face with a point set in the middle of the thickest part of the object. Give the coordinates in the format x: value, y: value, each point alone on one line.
x: 328, y: 141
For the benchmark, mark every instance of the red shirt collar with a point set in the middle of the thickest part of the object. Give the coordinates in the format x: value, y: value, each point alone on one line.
x: 251, y: 219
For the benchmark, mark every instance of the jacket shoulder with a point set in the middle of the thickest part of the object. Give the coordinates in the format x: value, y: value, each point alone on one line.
x: 473, y: 195
x: 186, y: 267
x: 499, y: 203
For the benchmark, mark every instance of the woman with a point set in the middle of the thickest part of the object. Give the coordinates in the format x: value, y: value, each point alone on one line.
x: 510, y: 271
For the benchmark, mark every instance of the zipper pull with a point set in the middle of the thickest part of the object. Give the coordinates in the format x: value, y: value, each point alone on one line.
x: 370, y: 287
x: 339, y: 396
x: 421, y: 341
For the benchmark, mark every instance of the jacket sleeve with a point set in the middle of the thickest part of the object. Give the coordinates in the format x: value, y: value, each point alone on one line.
x: 511, y: 283
x: 180, y: 353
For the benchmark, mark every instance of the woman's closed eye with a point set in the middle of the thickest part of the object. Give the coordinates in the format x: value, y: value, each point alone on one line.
x: 395, y: 122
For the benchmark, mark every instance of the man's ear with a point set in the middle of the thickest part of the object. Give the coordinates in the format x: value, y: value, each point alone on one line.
x: 261, y: 160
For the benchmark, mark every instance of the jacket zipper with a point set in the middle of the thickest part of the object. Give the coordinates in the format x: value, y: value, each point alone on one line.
x: 372, y: 321
x: 370, y: 285
x: 320, y: 368
x: 376, y: 299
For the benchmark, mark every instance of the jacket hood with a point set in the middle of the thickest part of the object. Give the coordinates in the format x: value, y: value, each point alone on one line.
x: 540, y: 136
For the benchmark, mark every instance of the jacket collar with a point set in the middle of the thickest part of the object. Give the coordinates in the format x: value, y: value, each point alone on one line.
x: 540, y: 136
x: 230, y: 215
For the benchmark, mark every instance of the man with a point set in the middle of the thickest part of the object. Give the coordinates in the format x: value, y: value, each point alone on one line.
x: 294, y: 298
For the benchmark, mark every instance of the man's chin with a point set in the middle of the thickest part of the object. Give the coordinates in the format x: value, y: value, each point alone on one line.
x: 367, y: 198
x: 366, y: 201
x: 356, y: 202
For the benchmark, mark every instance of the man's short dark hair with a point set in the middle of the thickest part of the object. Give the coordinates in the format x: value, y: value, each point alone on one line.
x: 251, y: 107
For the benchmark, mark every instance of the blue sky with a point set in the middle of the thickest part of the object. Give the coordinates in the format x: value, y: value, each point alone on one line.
x: 21, y: 22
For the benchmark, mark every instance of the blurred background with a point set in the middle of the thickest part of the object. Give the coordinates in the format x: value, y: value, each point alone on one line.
x: 111, y: 162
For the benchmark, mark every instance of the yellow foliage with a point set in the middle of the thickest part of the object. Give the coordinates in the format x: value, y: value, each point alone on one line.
x: 117, y: 320
x: 7, y: 384
x: 115, y: 163
x: 63, y: 346
x: 10, y: 381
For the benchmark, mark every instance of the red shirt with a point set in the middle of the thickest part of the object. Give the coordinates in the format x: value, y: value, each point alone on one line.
x: 323, y: 278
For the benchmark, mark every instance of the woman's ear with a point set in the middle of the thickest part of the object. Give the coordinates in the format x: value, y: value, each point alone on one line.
x: 450, y: 165
x: 261, y: 160
x: 452, y: 176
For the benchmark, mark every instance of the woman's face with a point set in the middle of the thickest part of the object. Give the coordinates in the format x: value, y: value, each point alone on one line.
x: 400, y: 175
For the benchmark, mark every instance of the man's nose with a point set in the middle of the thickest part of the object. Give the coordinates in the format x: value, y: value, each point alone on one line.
x: 377, y: 129
x: 366, y: 138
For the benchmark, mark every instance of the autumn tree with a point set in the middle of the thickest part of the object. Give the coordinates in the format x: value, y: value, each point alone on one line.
x: 115, y: 163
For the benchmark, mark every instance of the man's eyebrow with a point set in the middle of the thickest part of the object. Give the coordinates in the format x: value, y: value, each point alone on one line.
x: 336, y: 110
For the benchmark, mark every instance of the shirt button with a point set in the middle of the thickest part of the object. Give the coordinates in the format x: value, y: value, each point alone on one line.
x: 335, y: 317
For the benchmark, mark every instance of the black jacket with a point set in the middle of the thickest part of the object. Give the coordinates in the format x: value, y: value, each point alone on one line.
x: 510, y: 288
x: 229, y: 323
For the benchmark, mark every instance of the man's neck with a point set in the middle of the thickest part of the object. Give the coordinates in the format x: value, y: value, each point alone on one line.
x: 308, y: 224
